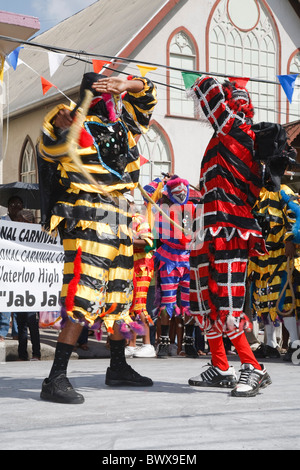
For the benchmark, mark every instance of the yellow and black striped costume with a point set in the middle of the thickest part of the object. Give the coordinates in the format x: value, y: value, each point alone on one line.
x: 269, y: 272
x: 95, y: 228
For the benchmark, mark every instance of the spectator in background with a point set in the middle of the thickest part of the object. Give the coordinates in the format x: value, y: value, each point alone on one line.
x: 28, y: 320
x: 15, y: 204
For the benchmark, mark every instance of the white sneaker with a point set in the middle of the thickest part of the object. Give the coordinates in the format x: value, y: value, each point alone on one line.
x: 250, y: 381
x: 146, y: 350
x: 215, y: 377
x: 129, y: 350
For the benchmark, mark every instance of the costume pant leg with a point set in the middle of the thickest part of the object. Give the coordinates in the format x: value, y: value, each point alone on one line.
x: 98, y: 273
x: 143, y: 277
x: 120, y: 276
x: 241, y: 344
x: 85, y: 276
x: 291, y: 325
x: 270, y: 331
x: 199, y: 292
x: 169, y: 282
x: 217, y: 349
x: 184, y: 284
x: 218, y: 282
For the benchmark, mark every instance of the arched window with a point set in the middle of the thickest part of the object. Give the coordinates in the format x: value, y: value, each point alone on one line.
x: 294, y: 107
x: 156, y: 148
x: 28, y: 171
x: 243, y: 42
x: 182, y: 54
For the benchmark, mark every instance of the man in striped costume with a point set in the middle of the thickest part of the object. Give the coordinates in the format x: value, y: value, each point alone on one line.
x: 229, y: 186
x: 172, y: 263
x: 93, y: 219
x: 269, y: 273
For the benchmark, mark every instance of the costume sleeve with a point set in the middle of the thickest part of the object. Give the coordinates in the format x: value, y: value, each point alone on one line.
x: 53, y: 141
x: 141, y: 229
x: 210, y: 100
x: 138, y: 107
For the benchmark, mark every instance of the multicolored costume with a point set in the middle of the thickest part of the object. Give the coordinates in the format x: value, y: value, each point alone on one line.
x: 172, y: 256
x: 94, y: 226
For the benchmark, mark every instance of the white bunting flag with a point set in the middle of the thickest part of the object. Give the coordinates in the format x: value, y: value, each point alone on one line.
x: 55, y: 61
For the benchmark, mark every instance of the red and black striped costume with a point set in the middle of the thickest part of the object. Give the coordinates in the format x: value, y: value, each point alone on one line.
x: 229, y: 187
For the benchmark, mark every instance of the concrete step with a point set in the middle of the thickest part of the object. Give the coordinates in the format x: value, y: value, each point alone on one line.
x: 48, y: 339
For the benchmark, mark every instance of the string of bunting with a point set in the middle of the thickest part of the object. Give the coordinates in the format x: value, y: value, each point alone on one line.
x: 57, y: 54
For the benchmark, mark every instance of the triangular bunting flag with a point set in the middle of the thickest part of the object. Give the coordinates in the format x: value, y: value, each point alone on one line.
x: 55, y: 60
x: 288, y: 84
x: 240, y: 81
x: 13, y: 57
x: 99, y: 64
x: 2, y: 60
x: 145, y: 69
x: 189, y: 78
x: 46, y: 85
x: 143, y: 160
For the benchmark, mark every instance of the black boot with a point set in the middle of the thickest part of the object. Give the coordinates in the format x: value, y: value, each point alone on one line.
x: 120, y: 373
x: 163, y: 347
x: 189, y: 347
x: 126, y: 376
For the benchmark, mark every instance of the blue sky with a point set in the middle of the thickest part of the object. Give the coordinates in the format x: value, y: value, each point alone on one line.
x: 49, y: 12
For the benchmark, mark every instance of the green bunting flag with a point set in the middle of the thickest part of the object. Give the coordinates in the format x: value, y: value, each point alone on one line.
x: 189, y: 78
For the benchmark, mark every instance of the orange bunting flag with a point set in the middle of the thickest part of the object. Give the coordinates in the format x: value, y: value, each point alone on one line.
x: 240, y: 81
x: 99, y: 64
x: 46, y: 85
x: 145, y: 69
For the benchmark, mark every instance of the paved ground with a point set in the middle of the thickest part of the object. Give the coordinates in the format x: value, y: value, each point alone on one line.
x: 170, y: 416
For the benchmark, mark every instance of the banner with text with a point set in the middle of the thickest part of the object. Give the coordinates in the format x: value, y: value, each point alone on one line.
x: 31, y: 268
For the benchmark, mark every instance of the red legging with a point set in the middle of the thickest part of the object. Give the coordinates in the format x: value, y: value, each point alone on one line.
x: 239, y: 341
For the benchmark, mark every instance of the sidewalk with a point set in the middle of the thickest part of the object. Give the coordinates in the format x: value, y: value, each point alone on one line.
x: 170, y: 416
x: 96, y: 349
